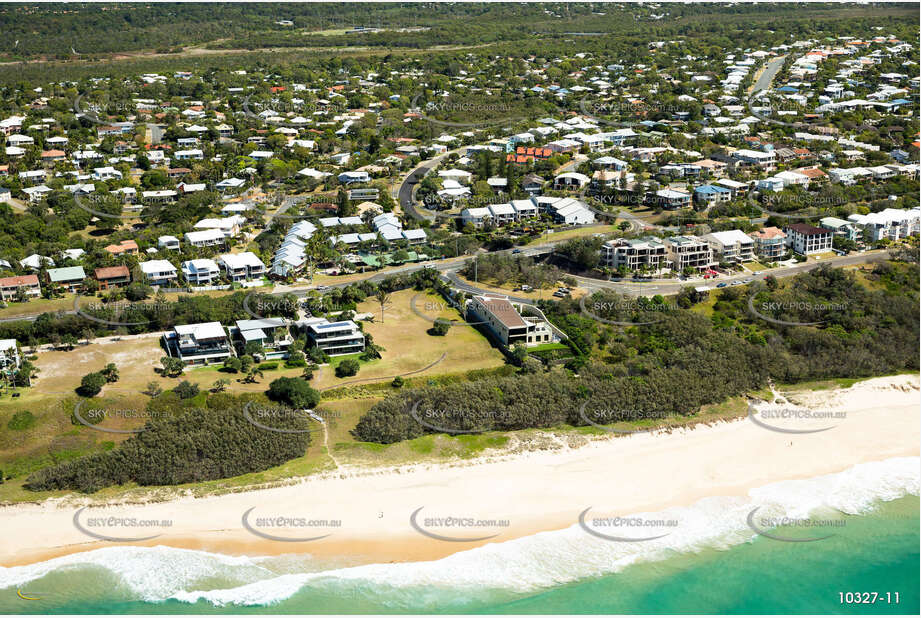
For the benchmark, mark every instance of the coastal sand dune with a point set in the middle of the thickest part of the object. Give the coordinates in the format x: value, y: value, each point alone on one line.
x: 370, y: 517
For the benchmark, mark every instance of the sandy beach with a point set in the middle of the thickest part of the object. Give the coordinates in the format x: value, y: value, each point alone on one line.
x: 812, y: 434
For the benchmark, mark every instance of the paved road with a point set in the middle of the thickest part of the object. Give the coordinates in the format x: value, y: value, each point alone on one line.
x: 405, y: 192
x: 764, y: 81
x: 448, y: 270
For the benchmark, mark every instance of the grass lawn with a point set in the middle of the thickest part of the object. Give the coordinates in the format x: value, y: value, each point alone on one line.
x: 407, y: 345
x: 37, y: 305
x: 548, y: 346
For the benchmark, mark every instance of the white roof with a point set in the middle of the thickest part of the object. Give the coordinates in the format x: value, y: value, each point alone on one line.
x: 200, y: 265
x: 730, y: 237
x: 156, y: 266
x: 241, y: 260
x: 205, y: 330
x: 501, y: 209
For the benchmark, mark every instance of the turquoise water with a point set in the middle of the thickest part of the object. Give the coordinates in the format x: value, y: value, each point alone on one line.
x: 564, y: 572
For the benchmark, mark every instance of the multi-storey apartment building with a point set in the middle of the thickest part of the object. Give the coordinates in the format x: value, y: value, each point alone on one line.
x: 731, y: 246
x: 689, y: 252
x: 806, y: 239
x: 770, y: 243
x: 645, y: 253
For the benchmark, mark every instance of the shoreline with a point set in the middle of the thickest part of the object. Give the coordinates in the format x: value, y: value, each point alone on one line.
x: 534, y: 492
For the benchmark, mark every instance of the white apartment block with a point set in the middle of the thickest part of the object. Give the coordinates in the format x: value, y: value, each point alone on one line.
x: 731, y: 246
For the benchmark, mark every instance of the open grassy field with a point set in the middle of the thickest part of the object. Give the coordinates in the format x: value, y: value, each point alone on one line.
x: 407, y: 345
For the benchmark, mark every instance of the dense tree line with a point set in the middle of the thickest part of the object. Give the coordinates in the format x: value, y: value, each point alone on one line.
x: 673, y: 360
x: 183, y: 445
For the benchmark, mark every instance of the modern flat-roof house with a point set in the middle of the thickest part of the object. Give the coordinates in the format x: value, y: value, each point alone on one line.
x: 634, y: 254
x: 270, y: 333
x: 770, y: 243
x: 11, y: 286
x: 112, y: 277
x: 205, y: 238
x: 198, y: 344
x: 9, y: 355
x: 168, y: 242
x: 689, y: 252
x: 497, y: 313
x: 200, y: 271
x: 766, y: 161
x: 334, y: 338
x: 806, y: 239
x: 731, y: 246
x: 70, y: 277
x: 242, y: 266
x: 158, y: 272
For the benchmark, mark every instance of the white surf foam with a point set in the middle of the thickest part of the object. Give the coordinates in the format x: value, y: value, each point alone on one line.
x: 529, y: 563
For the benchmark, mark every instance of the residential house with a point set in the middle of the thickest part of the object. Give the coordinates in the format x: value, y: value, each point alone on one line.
x: 170, y: 243
x: 27, y: 285
x: 845, y: 229
x: 158, y: 272
x: 525, y: 209
x: 806, y: 239
x: 70, y: 277
x: 206, y: 238
x: 532, y: 184
x: 500, y: 316
x: 200, y: 271
x: 269, y: 333
x: 334, y: 338
x: 670, y: 198
x: 712, y: 194
x: 198, y: 344
x: 567, y: 210
x: 242, y: 266
x: 764, y: 160
x: 112, y: 277
x: 125, y: 247
x: 10, y: 360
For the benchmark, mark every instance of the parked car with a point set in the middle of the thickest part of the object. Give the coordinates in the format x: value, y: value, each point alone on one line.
x: 722, y: 285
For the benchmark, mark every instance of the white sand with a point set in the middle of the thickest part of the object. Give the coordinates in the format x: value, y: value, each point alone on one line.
x: 535, y: 492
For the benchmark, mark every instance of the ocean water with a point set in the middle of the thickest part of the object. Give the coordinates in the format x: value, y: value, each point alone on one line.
x: 712, y: 562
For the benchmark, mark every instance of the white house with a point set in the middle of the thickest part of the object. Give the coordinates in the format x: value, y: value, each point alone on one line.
x: 200, y: 272
x: 158, y: 272
x: 242, y: 266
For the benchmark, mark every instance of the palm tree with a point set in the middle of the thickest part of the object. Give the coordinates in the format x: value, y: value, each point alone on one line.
x: 383, y: 298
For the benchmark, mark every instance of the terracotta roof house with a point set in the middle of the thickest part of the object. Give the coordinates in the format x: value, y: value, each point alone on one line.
x: 112, y: 277
x: 125, y: 247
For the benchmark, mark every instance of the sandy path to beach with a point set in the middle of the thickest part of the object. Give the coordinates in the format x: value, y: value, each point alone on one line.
x: 874, y: 420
